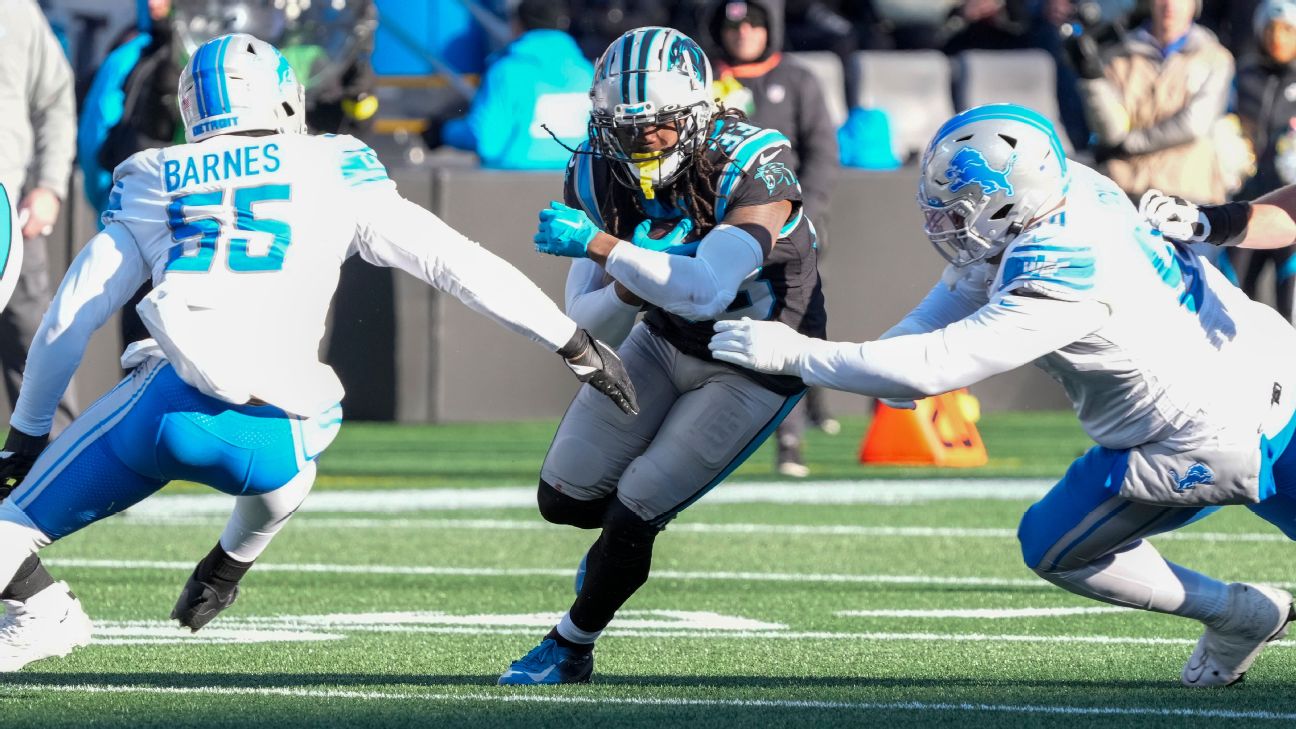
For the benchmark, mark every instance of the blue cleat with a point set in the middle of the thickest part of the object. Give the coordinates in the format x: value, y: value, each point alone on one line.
x: 549, y: 663
x: 580, y: 573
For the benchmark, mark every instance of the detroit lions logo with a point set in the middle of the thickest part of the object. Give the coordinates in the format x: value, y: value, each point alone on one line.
x: 1197, y: 474
x: 774, y: 174
x: 968, y: 166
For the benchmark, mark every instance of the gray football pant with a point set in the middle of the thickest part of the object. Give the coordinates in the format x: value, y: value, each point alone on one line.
x: 21, y: 318
x: 698, y: 421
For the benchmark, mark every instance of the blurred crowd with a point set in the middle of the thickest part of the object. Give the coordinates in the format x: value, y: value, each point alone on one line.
x: 1193, y: 97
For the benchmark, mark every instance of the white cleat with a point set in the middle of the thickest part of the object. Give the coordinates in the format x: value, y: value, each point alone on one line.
x: 1256, y: 615
x: 50, y: 623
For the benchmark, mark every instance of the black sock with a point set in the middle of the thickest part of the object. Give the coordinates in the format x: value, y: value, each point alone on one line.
x: 31, y: 578
x: 572, y: 645
x: 617, y: 566
x: 221, y: 571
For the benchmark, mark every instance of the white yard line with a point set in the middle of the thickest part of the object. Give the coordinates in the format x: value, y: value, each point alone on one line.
x: 564, y: 572
x: 377, y: 569
x: 812, y: 530
x: 983, y: 613
x: 510, y: 696
x: 880, y: 491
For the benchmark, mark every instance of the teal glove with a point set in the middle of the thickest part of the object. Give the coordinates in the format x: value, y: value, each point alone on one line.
x: 564, y: 231
x: 671, y: 243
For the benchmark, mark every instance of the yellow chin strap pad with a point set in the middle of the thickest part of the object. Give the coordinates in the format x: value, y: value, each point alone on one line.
x: 647, y: 174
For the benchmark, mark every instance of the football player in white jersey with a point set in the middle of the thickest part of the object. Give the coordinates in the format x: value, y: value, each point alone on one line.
x: 242, y: 231
x: 1184, y: 383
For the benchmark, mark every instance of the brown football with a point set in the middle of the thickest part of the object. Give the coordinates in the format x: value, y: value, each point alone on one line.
x: 660, y: 229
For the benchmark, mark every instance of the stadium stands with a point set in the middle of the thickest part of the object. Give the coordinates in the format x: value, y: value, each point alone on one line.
x: 827, y: 68
x: 913, y: 88
x: 1026, y: 77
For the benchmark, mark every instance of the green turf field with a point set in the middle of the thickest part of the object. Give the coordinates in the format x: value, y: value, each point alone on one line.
x: 419, y: 570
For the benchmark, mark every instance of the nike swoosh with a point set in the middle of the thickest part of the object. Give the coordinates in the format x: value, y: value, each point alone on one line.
x: 582, y: 370
x: 766, y: 157
x: 537, y: 677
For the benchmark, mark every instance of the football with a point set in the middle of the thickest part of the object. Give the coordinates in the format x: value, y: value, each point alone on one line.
x: 660, y: 229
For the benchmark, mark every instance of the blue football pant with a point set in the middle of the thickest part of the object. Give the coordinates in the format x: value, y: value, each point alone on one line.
x: 1086, y: 538
x: 153, y: 428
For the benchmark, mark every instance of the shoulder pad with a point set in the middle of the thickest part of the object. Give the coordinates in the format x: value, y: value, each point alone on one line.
x: 358, y: 162
x: 1047, y: 263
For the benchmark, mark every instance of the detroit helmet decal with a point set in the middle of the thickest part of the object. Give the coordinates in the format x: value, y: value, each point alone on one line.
x: 970, y: 166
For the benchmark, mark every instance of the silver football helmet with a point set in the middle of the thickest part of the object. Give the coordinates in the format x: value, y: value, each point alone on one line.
x: 986, y: 176
x: 650, y: 77
x: 238, y: 83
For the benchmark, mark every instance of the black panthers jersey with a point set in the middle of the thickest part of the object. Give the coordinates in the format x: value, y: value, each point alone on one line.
x: 752, y: 167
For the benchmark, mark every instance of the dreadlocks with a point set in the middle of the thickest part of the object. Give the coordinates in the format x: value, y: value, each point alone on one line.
x: 694, y: 192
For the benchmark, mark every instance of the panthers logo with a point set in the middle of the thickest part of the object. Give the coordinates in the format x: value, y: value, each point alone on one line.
x: 774, y: 174
x: 686, y: 56
x: 969, y: 165
x: 1197, y: 474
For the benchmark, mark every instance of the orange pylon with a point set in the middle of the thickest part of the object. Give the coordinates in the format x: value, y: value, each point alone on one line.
x: 940, y: 431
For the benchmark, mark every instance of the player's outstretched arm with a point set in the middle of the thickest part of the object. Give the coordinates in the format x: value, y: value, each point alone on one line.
x: 1268, y: 222
x: 1001, y: 336
x: 101, y: 279
x: 399, y: 234
x: 598, y: 305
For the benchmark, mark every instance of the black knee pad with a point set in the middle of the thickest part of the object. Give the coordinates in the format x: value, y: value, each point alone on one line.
x: 559, y: 508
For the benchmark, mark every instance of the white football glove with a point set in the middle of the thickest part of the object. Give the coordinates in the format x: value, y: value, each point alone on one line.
x: 1175, y: 217
x: 765, y: 346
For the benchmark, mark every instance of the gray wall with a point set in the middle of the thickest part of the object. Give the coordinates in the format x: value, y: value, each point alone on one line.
x: 450, y: 364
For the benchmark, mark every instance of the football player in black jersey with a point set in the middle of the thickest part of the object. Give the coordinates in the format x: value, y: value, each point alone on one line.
x: 680, y: 209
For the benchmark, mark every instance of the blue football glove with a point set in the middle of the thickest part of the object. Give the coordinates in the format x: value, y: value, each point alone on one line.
x: 564, y: 231
x: 671, y: 243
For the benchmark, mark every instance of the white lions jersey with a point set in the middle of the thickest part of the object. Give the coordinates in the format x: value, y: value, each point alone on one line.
x: 1149, y: 340
x: 243, y: 238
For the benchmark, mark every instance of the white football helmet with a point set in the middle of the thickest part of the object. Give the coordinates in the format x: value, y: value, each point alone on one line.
x: 650, y: 77
x: 986, y: 176
x: 237, y: 83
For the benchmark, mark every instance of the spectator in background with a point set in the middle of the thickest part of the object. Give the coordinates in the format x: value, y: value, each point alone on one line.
x: 38, y: 129
x: 777, y: 94
x: 131, y: 104
x: 1266, y: 105
x: 1153, y: 102
x: 1232, y: 22
x: 541, y: 77
x: 988, y: 25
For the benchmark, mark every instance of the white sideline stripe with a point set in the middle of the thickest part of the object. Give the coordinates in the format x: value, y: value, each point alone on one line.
x: 818, y: 530
x: 564, y: 572
x: 507, y: 696
x: 983, y: 613
x: 879, y: 491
